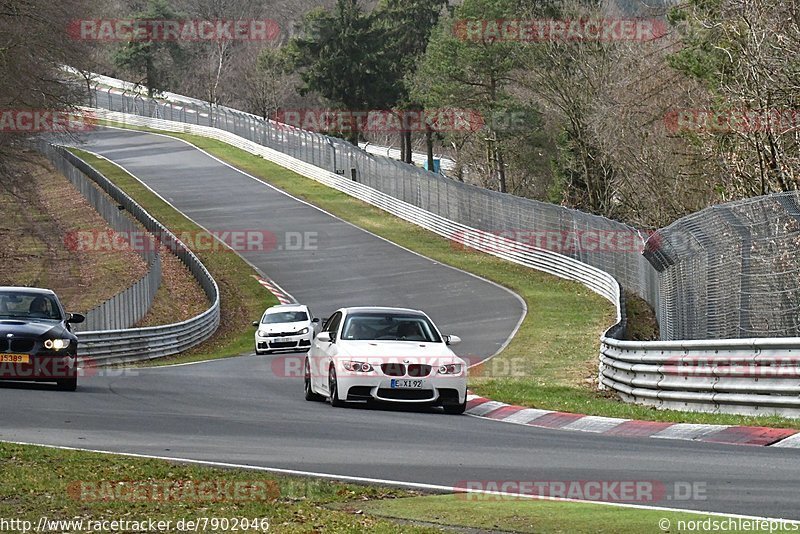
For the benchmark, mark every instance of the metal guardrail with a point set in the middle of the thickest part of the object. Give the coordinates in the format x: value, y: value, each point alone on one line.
x: 755, y: 376
x: 655, y: 373
x: 126, y: 308
x: 104, y: 347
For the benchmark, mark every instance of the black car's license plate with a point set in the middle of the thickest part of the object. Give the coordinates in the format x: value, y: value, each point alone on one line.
x: 15, y: 358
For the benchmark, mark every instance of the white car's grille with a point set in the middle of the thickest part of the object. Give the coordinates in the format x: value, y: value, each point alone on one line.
x: 400, y: 369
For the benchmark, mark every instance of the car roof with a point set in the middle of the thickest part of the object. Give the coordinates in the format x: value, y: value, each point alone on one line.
x: 23, y: 289
x: 381, y: 309
x: 287, y: 307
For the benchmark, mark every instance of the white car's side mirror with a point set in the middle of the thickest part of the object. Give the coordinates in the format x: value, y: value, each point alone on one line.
x: 325, y: 337
x: 452, y: 340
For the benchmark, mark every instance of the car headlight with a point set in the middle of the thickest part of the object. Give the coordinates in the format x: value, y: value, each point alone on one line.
x: 263, y: 333
x: 451, y: 369
x: 358, y: 367
x: 303, y: 331
x: 56, y: 344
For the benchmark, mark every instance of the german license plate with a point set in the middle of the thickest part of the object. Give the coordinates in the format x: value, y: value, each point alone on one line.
x: 282, y: 340
x: 402, y: 383
x: 15, y: 358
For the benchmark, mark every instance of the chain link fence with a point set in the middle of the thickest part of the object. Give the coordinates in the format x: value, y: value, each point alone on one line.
x: 731, y: 271
x: 726, y: 272
x: 128, y: 307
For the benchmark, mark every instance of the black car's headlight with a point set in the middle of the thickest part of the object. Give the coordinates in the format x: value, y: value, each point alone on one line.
x: 56, y: 344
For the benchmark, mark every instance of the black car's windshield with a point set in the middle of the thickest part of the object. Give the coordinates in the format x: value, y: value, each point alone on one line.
x: 389, y: 326
x: 284, y: 317
x: 24, y: 305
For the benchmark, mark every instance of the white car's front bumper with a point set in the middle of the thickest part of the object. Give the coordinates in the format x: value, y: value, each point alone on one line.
x: 284, y: 342
x: 431, y: 389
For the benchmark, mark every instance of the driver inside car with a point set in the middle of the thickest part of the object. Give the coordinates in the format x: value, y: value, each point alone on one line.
x: 39, y: 308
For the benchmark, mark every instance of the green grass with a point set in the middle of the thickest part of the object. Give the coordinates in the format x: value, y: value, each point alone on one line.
x: 60, y: 484
x: 73, y: 485
x: 533, y: 516
x: 551, y: 363
x: 242, y: 298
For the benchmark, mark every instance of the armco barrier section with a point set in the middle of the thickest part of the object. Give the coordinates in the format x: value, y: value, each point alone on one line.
x: 743, y: 376
x: 643, y: 372
x: 103, y: 347
x: 128, y: 307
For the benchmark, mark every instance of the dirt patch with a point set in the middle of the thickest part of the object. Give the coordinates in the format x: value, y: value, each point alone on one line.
x: 41, y: 209
x: 180, y: 297
x: 642, y: 323
x: 42, y: 212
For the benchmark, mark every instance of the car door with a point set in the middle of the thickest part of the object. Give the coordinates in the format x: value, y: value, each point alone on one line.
x: 323, y: 352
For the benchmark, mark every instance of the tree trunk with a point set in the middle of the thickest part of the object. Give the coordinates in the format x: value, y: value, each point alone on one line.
x: 409, y: 153
x: 352, y: 137
x: 501, y: 168
x: 429, y: 147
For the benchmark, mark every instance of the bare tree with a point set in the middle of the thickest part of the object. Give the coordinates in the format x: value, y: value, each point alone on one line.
x: 755, y: 68
x: 211, y: 60
x: 34, y: 44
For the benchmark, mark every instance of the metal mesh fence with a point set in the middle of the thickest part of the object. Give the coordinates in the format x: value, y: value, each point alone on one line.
x: 729, y: 271
x: 129, y: 306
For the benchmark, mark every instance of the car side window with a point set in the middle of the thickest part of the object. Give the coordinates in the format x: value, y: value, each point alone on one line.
x: 333, y: 323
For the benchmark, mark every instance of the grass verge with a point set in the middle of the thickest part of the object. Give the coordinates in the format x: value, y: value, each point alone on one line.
x: 88, y: 488
x: 72, y: 485
x: 534, y: 516
x: 242, y: 298
x: 551, y: 363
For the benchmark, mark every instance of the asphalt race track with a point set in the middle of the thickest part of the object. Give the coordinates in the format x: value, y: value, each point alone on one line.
x: 246, y: 411
x: 344, y: 266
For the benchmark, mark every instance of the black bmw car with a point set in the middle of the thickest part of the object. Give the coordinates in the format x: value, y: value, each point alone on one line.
x: 36, y: 342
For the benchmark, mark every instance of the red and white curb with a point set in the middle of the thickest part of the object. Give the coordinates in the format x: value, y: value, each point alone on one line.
x: 282, y: 296
x: 610, y: 426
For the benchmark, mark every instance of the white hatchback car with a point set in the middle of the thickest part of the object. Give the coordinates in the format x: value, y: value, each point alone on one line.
x: 385, y: 354
x: 285, y: 327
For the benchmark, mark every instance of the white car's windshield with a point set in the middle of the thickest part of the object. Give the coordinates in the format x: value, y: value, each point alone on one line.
x: 23, y: 305
x: 389, y: 326
x: 284, y: 317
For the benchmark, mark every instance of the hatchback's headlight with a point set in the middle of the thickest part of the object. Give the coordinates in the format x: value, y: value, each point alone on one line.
x: 451, y: 369
x: 262, y: 333
x: 56, y: 344
x: 303, y: 331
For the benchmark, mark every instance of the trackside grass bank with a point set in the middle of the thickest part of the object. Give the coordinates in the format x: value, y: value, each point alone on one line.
x: 490, y: 513
x: 551, y: 363
x: 242, y: 298
x: 79, y: 491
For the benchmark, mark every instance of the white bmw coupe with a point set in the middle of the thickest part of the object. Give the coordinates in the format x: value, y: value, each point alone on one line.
x: 385, y: 354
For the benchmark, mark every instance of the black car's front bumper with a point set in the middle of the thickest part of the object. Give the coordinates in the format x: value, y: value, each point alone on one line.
x: 47, y: 367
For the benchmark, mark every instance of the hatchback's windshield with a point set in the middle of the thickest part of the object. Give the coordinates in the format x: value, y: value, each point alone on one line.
x: 23, y: 305
x: 284, y: 317
x: 389, y: 326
